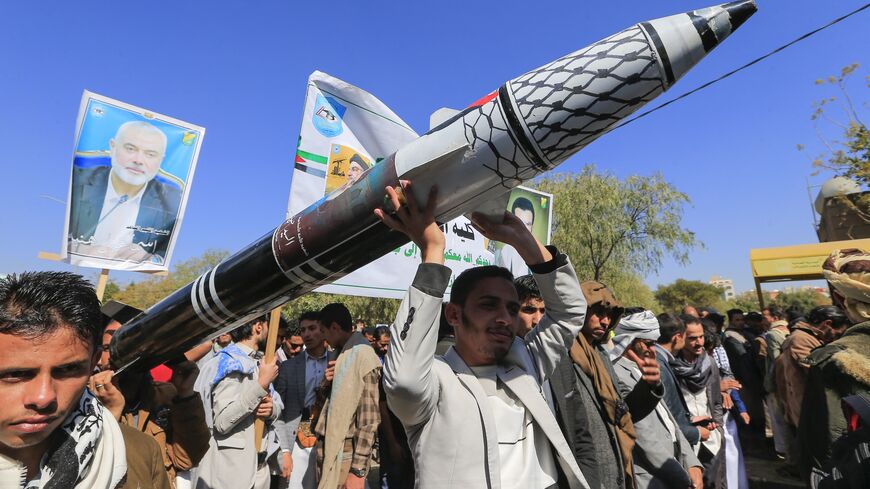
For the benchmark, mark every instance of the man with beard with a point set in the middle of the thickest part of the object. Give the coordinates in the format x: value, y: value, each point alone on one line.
x: 476, y: 417
x: 236, y: 391
x: 841, y: 368
x: 53, y: 431
x: 824, y: 325
x: 698, y: 377
x: 663, y: 458
x: 596, y: 418
x: 124, y: 211
x: 347, y: 424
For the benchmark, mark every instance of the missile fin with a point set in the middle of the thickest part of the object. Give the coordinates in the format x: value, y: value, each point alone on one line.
x: 440, y: 116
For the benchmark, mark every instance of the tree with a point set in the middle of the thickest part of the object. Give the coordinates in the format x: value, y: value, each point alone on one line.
x: 630, y: 291
x: 804, y: 300
x: 850, y: 156
x: 145, y: 293
x: 681, y: 293
x: 372, y: 310
x: 607, y: 226
x: 745, y: 301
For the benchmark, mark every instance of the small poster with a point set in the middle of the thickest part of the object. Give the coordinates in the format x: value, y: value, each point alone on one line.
x: 130, y: 178
x: 535, y: 210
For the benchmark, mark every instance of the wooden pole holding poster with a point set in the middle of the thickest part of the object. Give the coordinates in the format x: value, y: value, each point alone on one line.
x: 101, y: 284
x: 271, y: 344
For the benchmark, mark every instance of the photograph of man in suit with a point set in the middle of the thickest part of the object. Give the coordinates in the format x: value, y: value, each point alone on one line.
x: 124, y: 210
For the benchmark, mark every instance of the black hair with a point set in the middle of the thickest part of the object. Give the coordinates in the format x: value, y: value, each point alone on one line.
x: 382, y: 331
x: 733, y: 312
x: 717, y: 319
x: 688, y: 319
x: 308, y: 316
x: 468, y: 279
x: 336, y: 313
x: 670, y: 325
x: 283, y: 324
x: 524, y: 204
x: 36, y: 304
x: 370, y: 331
x: 245, y: 331
x: 294, y: 331
x: 711, y: 334
x: 823, y: 313
x: 444, y: 328
x: 793, y: 312
x: 775, y: 311
x: 527, y: 288
x: 628, y: 311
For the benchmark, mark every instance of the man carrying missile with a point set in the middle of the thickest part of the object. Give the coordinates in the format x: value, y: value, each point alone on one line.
x: 476, y: 417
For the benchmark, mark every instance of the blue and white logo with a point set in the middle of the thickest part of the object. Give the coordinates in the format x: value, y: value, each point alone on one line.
x: 327, y: 116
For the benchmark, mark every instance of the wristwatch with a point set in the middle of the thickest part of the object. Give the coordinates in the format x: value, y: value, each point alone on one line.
x: 361, y: 473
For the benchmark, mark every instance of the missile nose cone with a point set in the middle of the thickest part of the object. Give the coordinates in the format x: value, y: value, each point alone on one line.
x: 739, y: 12
x: 682, y: 40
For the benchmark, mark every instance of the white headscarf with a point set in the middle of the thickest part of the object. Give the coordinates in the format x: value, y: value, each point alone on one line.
x: 643, y: 325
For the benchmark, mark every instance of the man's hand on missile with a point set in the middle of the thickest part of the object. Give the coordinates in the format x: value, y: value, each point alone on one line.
x: 513, y: 232
x: 418, y: 224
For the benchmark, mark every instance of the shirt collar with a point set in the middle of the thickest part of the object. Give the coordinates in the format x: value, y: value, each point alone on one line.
x: 114, y: 196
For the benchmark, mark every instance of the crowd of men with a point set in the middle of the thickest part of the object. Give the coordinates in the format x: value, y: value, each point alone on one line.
x: 539, y: 381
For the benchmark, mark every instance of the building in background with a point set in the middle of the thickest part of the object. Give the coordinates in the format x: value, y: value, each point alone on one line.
x: 726, y: 285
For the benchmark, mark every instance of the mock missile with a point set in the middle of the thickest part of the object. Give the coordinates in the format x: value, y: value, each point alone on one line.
x: 526, y: 127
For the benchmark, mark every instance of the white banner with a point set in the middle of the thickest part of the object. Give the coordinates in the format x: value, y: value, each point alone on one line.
x: 346, y: 130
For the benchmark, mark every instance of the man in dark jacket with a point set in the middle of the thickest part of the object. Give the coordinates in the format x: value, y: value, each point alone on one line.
x: 122, y: 207
x: 595, y: 418
x: 840, y: 368
x: 670, y: 342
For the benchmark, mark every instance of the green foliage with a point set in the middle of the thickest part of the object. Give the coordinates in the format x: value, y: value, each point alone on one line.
x: 746, y: 301
x: 802, y: 299
x: 145, y: 293
x: 673, y: 297
x: 848, y: 156
x: 630, y: 290
x: 610, y: 226
x: 372, y: 310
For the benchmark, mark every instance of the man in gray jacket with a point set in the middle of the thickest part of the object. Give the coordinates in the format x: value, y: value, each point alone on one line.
x: 662, y: 456
x: 477, y: 417
x: 236, y: 391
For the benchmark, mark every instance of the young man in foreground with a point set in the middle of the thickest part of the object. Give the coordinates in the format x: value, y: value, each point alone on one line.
x: 477, y: 417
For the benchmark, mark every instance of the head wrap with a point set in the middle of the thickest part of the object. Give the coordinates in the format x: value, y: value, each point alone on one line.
x: 848, y: 273
x: 642, y: 325
x: 596, y: 293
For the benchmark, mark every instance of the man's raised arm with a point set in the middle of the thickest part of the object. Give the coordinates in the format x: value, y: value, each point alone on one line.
x: 560, y: 291
x: 410, y: 386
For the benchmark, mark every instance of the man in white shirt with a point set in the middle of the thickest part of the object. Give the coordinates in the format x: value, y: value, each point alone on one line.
x: 477, y: 416
x: 298, y: 379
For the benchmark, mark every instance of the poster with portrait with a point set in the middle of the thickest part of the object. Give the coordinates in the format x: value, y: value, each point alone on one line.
x: 535, y: 210
x: 129, y: 182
